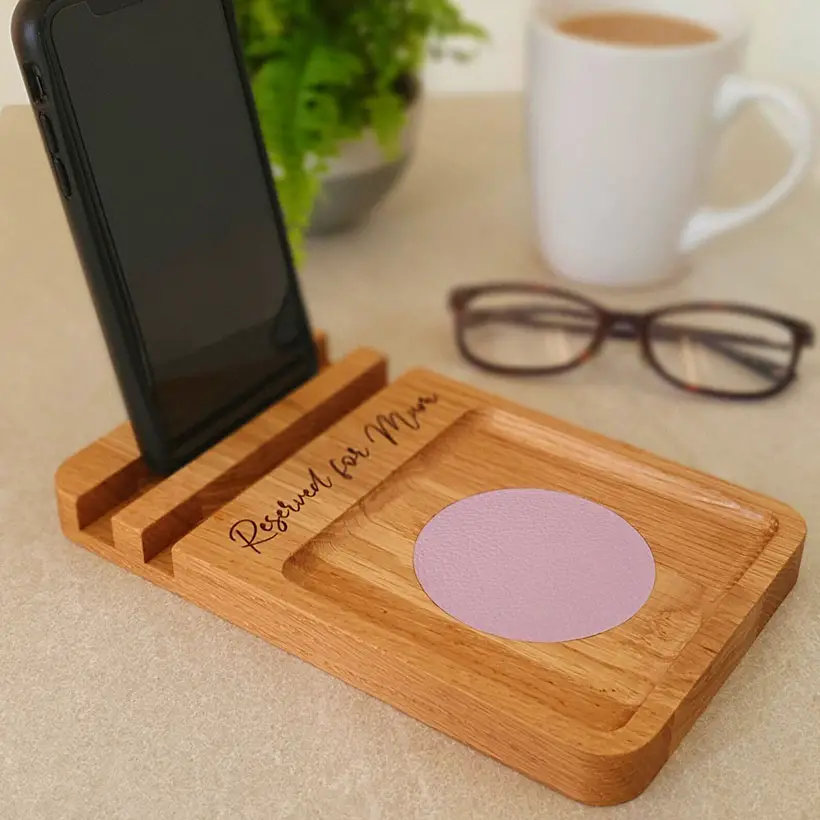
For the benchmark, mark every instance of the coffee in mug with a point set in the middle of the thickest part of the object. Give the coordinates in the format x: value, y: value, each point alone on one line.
x: 631, y: 28
x: 625, y: 110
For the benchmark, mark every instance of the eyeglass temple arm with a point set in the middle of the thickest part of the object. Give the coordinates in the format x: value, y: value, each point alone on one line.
x: 715, y: 339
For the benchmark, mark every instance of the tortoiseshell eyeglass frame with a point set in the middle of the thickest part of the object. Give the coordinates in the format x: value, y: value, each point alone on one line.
x: 645, y: 328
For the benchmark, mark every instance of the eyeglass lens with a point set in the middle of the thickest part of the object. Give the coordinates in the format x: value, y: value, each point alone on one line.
x: 721, y: 350
x: 529, y: 330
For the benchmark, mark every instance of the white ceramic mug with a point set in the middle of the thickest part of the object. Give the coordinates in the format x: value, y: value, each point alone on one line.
x: 622, y: 140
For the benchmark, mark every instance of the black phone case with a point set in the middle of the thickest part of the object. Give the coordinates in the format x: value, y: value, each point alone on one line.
x: 60, y: 133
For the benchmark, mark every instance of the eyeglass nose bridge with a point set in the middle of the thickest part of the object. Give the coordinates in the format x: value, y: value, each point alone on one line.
x: 624, y: 325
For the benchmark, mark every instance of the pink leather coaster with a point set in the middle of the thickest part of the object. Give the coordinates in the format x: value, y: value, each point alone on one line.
x: 534, y: 565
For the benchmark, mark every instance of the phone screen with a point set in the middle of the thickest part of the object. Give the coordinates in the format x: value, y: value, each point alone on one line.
x: 171, y: 148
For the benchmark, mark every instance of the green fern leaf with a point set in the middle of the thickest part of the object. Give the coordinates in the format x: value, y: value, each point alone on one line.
x: 265, y: 15
x: 387, y: 117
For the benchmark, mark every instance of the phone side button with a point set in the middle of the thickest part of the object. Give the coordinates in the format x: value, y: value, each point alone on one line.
x: 48, y: 133
x: 36, y: 86
x: 62, y: 177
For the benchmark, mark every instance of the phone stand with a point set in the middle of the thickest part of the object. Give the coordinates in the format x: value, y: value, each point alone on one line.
x: 300, y: 528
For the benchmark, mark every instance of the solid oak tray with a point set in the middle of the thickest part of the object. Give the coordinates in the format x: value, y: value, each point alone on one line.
x: 301, y: 526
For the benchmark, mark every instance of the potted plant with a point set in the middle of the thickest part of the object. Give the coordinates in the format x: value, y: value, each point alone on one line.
x: 335, y: 83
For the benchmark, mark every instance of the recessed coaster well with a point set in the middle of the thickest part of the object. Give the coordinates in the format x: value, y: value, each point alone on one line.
x: 534, y: 565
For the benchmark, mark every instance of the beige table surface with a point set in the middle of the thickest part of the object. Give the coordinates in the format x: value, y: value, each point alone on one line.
x: 118, y: 700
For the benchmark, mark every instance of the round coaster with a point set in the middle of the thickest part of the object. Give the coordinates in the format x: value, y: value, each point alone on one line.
x: 534, y: 565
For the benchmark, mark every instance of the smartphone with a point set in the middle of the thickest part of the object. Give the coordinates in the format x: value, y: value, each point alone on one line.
x: 147, y: 116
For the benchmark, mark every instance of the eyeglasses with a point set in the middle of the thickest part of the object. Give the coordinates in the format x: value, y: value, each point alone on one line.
x: 723, y: 350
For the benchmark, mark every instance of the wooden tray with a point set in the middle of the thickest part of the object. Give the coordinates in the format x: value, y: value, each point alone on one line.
x: 300, y: 528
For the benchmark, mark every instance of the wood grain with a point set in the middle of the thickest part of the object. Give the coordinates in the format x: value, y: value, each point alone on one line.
x: 314, y: 554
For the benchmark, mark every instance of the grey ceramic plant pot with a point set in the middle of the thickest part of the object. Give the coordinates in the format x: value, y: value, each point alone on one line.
x: 361, y: 177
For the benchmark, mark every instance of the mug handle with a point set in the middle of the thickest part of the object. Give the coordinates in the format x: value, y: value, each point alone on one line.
x: 735, y: 92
